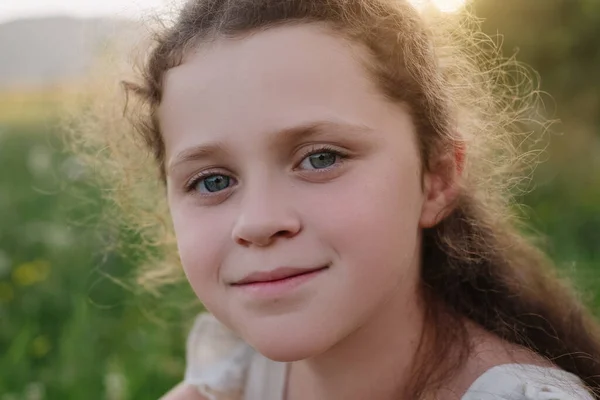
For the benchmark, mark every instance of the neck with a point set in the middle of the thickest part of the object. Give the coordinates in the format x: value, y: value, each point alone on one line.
x: 373, y: 362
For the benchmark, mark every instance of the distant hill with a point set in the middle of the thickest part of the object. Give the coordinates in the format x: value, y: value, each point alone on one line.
x: 50, y: 51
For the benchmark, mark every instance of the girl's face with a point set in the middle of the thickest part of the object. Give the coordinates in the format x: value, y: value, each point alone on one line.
x: 282, y: 158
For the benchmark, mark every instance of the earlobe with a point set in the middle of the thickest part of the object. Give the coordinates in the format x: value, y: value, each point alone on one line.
x: 441, y: 188
x: 439, y: 201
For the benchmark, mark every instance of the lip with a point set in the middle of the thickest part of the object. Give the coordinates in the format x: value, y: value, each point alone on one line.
x: 277, y: 282
x: 275, y: 275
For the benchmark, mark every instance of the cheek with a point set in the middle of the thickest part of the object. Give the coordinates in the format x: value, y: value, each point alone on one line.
x: 375, y: 224
x: 200, y: 240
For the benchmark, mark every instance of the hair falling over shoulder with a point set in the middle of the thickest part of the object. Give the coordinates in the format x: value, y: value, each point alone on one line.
x: 477, y: 263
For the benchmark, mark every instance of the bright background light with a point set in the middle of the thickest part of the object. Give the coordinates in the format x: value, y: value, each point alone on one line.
x: 14, y: 9
x: 449, y: 5
x: 442, y: 5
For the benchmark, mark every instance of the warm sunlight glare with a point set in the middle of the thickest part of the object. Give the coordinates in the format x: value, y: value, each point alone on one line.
x: 448, y: 6
x: 16, y: 9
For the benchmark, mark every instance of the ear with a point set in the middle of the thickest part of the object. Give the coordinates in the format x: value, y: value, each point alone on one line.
x: 441, y: 186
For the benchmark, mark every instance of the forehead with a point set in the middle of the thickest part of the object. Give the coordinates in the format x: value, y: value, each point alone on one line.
x: 310, y: 48
x: 276, y: 78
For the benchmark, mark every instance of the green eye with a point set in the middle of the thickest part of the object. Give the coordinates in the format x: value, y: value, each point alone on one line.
x: 213, y: 184
x: 320, y: 160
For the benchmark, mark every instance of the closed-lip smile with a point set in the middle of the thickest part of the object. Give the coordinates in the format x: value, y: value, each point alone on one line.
x: 276, y: 275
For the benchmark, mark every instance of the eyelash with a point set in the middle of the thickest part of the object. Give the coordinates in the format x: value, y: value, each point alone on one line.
x: 317, y: 149
x: 191, y: 184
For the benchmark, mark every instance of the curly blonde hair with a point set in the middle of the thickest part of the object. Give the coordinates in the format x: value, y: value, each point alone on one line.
x: 477, y: 263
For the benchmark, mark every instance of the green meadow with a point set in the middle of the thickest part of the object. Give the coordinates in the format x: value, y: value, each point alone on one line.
x: 72, y: 325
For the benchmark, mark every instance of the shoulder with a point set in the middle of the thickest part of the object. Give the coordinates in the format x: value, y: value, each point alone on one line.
x: 527, y: 382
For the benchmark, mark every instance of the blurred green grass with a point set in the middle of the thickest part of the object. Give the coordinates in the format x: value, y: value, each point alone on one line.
x: 70, y: 329
x: 67, y: 330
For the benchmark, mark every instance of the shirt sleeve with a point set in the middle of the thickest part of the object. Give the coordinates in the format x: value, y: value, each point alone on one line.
x: 527, y: 382
x: 216, y: 360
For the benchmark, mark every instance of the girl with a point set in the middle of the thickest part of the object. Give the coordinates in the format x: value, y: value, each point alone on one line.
x: 337, y: 173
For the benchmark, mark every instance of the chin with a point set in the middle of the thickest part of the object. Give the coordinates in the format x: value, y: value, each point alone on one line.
x: 287, y: 351
x: 288, y: 345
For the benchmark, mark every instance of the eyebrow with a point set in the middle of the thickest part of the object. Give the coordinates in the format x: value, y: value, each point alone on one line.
x: 284, y: 137
x: 197, y: 153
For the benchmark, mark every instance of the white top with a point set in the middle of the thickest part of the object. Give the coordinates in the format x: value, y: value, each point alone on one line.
x: 223, y: 367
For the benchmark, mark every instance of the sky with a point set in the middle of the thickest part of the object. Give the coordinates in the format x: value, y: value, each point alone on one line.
x: 15, y: 9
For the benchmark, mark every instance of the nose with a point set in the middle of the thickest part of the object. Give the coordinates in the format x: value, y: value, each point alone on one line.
x: 265, y: 217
